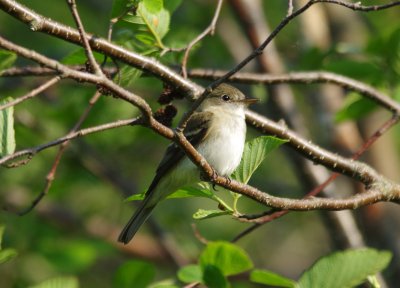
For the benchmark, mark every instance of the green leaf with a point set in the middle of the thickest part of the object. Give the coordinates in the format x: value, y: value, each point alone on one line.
x: 119, y: 7
x: 153, y: 6
x: 254, y: 153
x: 355, y: 107
x: 190, y: 274
x: 59, y: 282
x: 7, y: 254
x: 214, y: 278
x: 157, y: 22
x: 227, y: 257
x: 272, y: 279
x: 168, y: 283
x: 205, y: 214
x: 172, y: 5
x: 78, y: 57
x: 345, y: 269
x: 2, y: 228
x: 7, y: 59
x: 134, y: 273
x: 128, y: 75
x: 135, y: 197
x: 199, y: 190
x: 7, y: 133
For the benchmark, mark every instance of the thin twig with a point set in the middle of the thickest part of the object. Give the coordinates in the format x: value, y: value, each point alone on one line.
x: 31, y: 93
x: 88, y: 50
x: 80, y: 133
x: 52, y: 173
x: 209, y: 30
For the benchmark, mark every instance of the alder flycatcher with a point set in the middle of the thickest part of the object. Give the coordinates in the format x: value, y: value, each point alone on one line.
x: 218, y: 131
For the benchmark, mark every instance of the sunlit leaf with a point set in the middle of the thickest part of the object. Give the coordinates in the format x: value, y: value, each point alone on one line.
x: 157, y: 22
x: 345, y: 269
x: 190, y: 274
x: 270, y: 278
x: 192, y: 191
x: 153, y: 6
x: 206, y: 214
x: 7, y: 254
x: 7, y: 133
x: 255, y: 151
x: 227, y: 257
x: 59, y: 282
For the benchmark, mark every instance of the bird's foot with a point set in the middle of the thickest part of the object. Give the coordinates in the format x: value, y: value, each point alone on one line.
x: 212, y: 178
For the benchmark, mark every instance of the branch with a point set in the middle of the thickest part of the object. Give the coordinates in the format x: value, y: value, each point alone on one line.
x: 304, y: 78
x: 209, y: 30
x: 53, y: 170
x: 43, y: 71
x: 30, y: 152
x: 32, y: 93
x: 40, y: 23
x: 84, y: 39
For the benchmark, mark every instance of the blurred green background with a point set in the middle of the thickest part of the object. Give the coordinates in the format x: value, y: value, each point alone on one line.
x: 73, y: 230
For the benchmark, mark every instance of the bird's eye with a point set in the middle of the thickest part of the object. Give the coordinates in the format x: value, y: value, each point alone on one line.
x: 226, y: 98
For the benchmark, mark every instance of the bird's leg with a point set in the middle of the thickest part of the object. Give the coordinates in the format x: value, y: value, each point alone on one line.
x: 228, y: 180
x: 212, y: 178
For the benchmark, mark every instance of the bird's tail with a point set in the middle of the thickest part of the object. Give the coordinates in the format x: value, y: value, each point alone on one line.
x: 140, y: 216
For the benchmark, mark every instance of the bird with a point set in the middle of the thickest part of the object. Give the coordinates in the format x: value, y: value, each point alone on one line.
x: 217, y: 129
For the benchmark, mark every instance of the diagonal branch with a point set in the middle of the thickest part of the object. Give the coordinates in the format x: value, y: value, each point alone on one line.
x: 32, y: 93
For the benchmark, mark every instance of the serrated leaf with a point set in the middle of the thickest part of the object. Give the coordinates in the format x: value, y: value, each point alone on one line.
x: 156, y: 22
x: 227, y: 257
x: 119, y: 7
x: 7, y: 59
x: 355, y: 107
x: 7, y: 254
x: 270, y: 278
x: 206, y: 214
x: 59, y: 282
x: 134, y: 273
x: 345, y: 269
x: 254, y: 153
x: 214, y: 278
x: 190, y: 274
x: 7, y: 133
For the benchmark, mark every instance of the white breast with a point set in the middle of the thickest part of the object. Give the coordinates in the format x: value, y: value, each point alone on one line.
x: 227, y: 136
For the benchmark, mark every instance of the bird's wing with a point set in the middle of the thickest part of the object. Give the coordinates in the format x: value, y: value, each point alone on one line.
x: 196, y: 130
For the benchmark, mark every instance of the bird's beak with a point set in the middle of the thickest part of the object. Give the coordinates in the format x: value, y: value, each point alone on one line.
x: 249, y: 101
